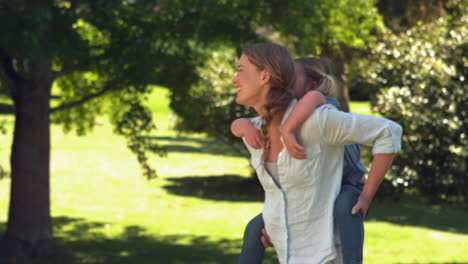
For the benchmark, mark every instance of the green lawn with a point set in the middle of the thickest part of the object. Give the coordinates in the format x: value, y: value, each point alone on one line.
x: 104, y: 211
x: 361, y: 108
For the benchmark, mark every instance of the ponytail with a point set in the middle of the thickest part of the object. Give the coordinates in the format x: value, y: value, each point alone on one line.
x: 327, y: 85
x: 277, y: 100
x: 316, y: 70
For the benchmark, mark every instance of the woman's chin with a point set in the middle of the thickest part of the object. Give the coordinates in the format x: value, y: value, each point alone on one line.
x: 240, y: 101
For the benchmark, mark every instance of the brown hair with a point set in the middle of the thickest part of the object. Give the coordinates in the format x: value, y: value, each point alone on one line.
x: 276, y: 60
x: 317, y: 70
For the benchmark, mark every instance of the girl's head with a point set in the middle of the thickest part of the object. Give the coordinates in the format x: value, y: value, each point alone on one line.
x: 313, y: 74
x: 264, y: 81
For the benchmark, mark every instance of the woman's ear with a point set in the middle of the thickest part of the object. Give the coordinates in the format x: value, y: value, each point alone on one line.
x: 265, y: 77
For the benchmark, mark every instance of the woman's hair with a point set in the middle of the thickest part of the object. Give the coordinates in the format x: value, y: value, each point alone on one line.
x: 276, y: 60
x: 317, y: 70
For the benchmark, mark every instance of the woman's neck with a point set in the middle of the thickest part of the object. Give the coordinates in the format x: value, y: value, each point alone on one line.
x: 277, y: 118
x: 276, y: 121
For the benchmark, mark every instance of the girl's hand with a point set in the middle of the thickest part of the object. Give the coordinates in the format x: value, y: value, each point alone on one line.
x: 295, y: 150
x: 252, y: 136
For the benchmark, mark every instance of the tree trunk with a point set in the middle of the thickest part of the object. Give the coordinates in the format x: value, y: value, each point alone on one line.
x: 337, y: 68
x: 29, y: 228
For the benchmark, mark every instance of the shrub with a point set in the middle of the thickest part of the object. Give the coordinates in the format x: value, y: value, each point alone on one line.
x: 423, y: 73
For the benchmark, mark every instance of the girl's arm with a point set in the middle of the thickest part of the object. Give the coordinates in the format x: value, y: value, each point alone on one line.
x: 242, y: 127
x: 301, y: 111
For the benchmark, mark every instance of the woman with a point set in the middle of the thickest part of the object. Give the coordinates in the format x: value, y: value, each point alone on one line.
x: 298, y: 211
x: 312, y: 74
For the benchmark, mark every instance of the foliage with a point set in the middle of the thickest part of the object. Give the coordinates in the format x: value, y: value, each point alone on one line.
x: 337, y: 25
x: 398, y: 16
x: 423, y: 71
x: 105, y: 54
x: 211, y: 106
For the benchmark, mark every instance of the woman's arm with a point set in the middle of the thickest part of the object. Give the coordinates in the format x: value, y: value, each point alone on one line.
x: 338, y: 128
x: 242, y: 127
x: 301, y: 111
x: 333, y: 127
x: 380, y: 165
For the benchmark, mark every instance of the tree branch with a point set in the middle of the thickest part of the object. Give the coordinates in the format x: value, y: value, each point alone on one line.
x: 86, y: 63
x: 64, y: 71
x: 79, y: 102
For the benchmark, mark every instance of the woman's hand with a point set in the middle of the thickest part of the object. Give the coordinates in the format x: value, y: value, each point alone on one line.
x: 295, y: 150
x: 379, y: 167
x: 361, y: 205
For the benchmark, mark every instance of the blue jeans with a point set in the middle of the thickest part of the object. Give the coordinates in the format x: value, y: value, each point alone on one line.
x: 351, y: 226
x: 252, y: 247
x: 351, y: 230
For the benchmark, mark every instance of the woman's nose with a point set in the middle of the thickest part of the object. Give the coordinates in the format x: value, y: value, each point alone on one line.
x: 234, y: 81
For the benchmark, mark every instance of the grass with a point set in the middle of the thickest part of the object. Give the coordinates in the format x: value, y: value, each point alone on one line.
x: 104, y: 211
x: 361, y: 108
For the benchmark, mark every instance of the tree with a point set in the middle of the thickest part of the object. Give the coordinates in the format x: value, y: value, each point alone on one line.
x: 398, y: 16
x: 333, y: 30
x: 102, y: 54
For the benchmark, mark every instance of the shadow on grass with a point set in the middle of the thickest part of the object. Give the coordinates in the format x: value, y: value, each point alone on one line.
x: 202, y: 145
x: 411, y: 210
x: 220, y: 188
x: 85, y: 242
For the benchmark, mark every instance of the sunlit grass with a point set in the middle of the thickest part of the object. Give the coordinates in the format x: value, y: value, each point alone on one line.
x: 104, y: 210
x: 361, y: 108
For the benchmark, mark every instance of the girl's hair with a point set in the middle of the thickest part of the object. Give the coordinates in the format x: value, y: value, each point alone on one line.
x: 317, y: 70
x: 276, y: 60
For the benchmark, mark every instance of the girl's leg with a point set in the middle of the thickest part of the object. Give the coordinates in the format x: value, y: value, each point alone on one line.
x: 252, y: 247
x: 351, y: 226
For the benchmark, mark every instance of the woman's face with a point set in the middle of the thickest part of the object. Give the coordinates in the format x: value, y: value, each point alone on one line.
x: 248, y: 80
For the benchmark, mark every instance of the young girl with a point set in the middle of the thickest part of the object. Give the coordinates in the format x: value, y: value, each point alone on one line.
x: 312, y: 82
